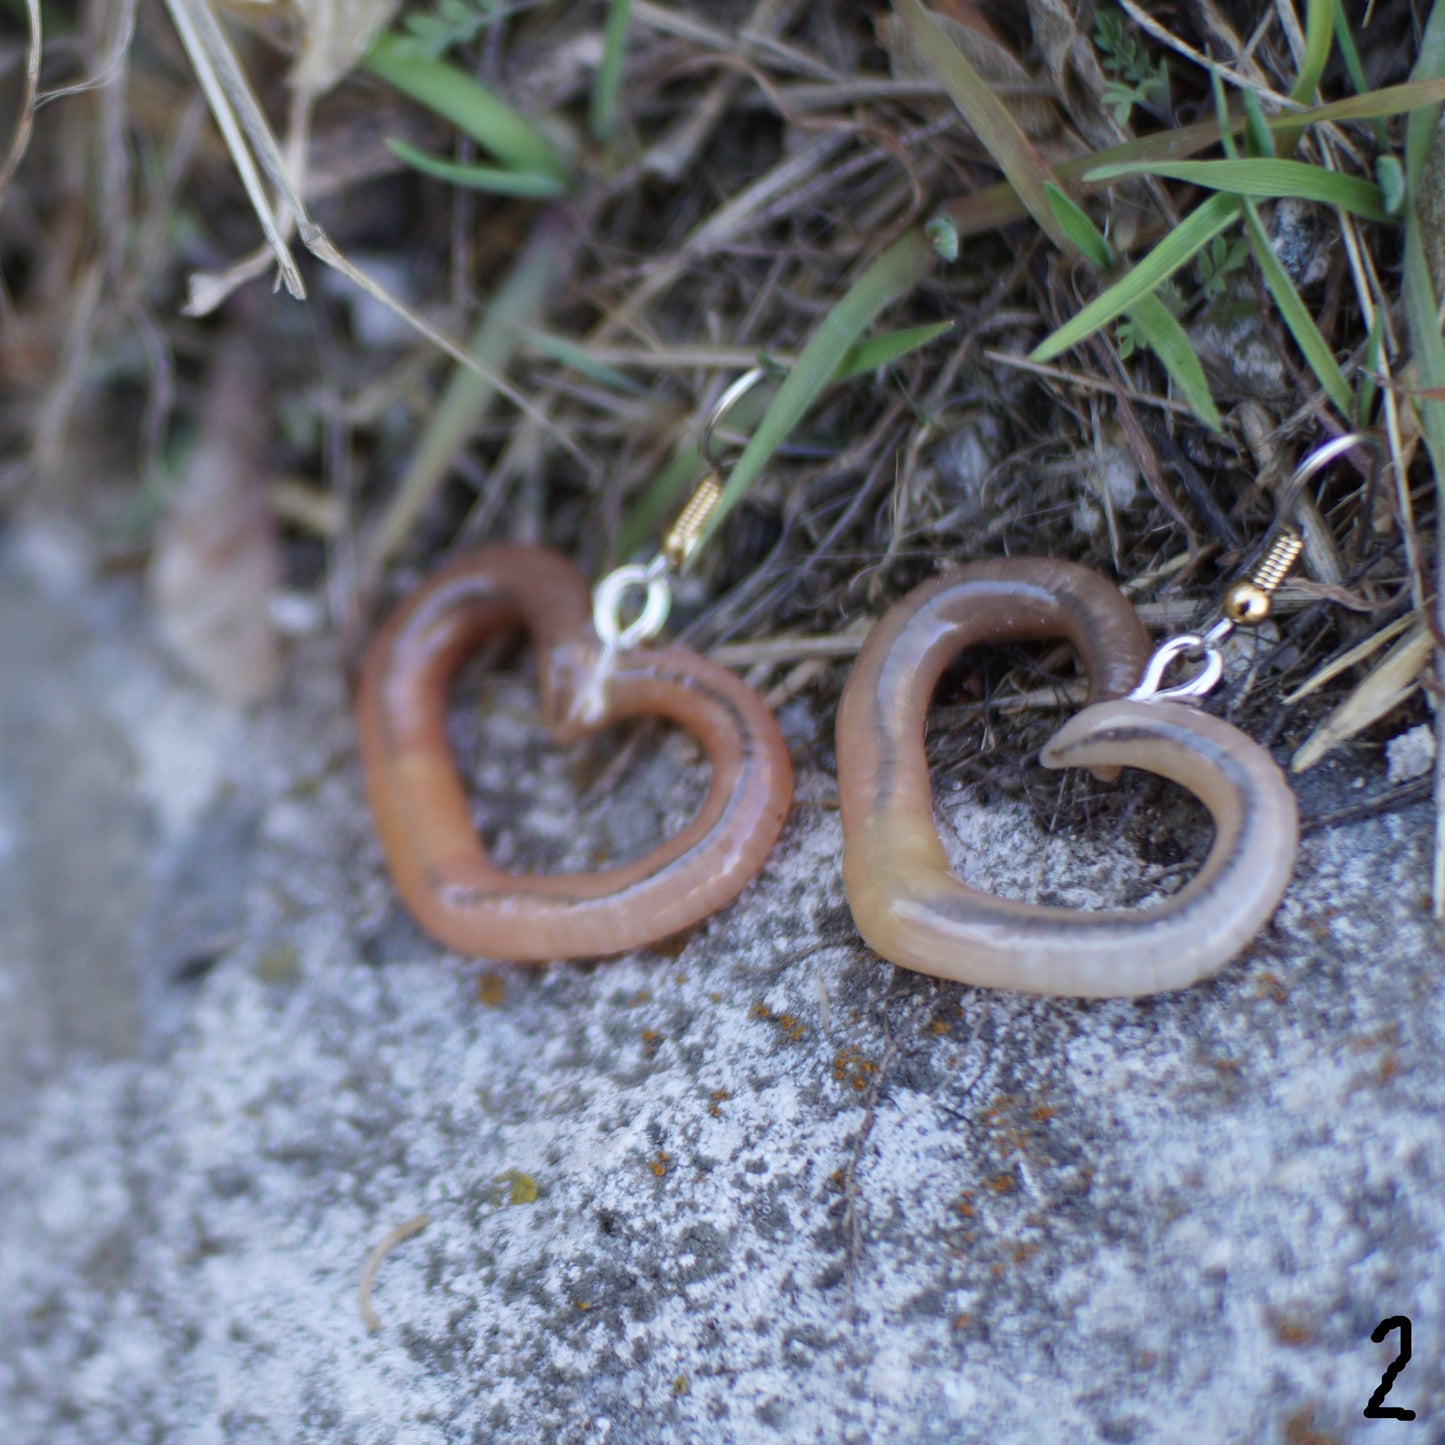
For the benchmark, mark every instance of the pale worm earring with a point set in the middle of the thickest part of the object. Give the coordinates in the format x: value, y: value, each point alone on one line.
x: 592, y: 671
x: 906, y: 901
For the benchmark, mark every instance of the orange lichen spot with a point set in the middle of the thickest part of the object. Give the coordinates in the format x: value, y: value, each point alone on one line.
x: 962, y: 1322
x: 1293, y: 1332
x: 680, y: 1386
x: 645, y: 996
x: 1002, y: 1183
x: 760, y: 1010
x: 1299, y: 1429
x: 491, y: 990
x: 659, y: 1164
x: 719, y: 1097
x: 673, y: 945
x: 582, y: 1304
x: 939, y: 1026
x: 1268, y: 986
x: 1042, y: 1113
x: 965, y: 1208
x: 850, y: 1067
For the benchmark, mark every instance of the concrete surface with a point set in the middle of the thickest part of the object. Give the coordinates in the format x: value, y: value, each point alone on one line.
x: 756, y: 1187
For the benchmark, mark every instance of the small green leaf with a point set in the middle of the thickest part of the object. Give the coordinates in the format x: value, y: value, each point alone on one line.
x: 479, y: 178
x: 1081, y: 230
x: 943, y: 235
x: 1174, y: 251
x: 1217, y: 262
x: 1265, y: 179
x: 1390, y: 175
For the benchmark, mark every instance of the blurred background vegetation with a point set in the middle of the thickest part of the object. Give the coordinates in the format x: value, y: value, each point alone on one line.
x: 1054, y: 277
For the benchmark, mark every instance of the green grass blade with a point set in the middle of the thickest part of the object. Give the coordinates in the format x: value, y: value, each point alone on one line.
x: 892, y: 275
x: 1366, y: 388
x: 1317, y: 354
x: 1422, y: 124
x: 518, y: 305
x: 645, y: 519
x: 1422, y: 316
x: 1414, y: 95
x: 1174, y: 251
x: 1319, y: 35
x: 608, y: 83
x: 1258, y: 137
x: 882, y: 350
x: 1226, y: 122
x: 471, y: 107
x: 998, y: 132
x: 1266, y: 179
x: 1082, y: 231
x: 995, y: 206
x: 571, y: 354
x: 1168, y: 341
x: 1349, y: 53
x: 538, y: 185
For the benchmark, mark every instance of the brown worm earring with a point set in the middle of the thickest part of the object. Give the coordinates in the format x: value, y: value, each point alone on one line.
x: 592, y: 671
x: 906, y: 901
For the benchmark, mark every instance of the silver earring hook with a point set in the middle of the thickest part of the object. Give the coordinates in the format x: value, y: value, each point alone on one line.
x: 1314, y: 462
x: 725, y: 403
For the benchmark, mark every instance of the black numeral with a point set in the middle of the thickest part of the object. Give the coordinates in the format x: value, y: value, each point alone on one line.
x: 1376, y: 1410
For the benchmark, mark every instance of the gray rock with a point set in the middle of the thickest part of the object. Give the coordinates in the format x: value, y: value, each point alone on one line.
x: 761, y: 1187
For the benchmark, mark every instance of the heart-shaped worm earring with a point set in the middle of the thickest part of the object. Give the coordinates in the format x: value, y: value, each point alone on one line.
x: 906, y: 901
x: 592, y: 671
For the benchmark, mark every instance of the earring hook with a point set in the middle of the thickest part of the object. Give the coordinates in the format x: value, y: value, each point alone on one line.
x: 725, y: 403
x: 1314, y: 462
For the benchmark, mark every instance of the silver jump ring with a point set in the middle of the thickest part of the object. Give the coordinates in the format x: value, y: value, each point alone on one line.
x: 1188, y: 644
x: 610, y: 593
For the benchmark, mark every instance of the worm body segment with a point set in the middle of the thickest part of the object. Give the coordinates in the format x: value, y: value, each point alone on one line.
x: 437, y: 860
x: 905, y: 899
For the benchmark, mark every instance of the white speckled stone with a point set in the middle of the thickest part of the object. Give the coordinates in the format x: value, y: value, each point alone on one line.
x: 784, y: 1192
